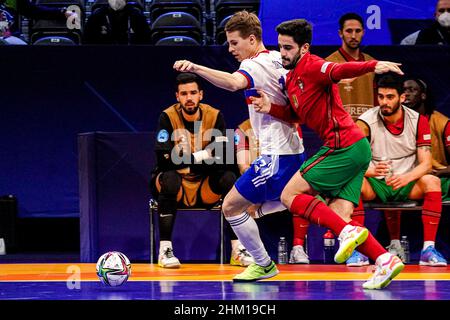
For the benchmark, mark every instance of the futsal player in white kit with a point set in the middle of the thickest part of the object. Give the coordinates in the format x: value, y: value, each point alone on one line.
x: 281, y: 144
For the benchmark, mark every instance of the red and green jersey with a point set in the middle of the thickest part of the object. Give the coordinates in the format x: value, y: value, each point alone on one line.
x: 314, y: 97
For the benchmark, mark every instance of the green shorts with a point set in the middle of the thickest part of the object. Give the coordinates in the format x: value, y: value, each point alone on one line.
x: 338, y: 173
x: 386, y: 193
x: 445, y: 184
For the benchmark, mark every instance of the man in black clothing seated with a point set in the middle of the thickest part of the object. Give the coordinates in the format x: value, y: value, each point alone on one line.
x: 117, y: 23
x: 191, y: 160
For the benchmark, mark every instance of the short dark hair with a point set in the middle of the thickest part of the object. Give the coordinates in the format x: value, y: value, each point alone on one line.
x: 350, y: 16
x: 299, y: 29
x: 429, y: 100
x: 391, y: 80
x: 187, y: 77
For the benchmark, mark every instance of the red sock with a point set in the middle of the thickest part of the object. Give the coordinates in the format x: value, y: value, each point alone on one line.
x: 300, y: 229
x: 431, y: 214
x: 393, y: 218
x: 317, y: 212
x: 358, y: 213
x: 371, y: 247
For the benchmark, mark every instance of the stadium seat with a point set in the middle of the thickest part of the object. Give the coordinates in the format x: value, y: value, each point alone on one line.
x: 221, y: 37
x: 400, y: 28
x: 177, y: 41
x: 54, y: 41
x: 225, y: 8
x: 44, y: 28
x: 176, y: 24
x: 160, y: 7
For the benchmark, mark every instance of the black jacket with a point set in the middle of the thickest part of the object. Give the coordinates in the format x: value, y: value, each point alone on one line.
x: 127, y: 26
x: 436, y: 34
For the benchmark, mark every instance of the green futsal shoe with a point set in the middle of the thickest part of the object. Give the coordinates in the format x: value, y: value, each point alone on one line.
x: 256, y: 272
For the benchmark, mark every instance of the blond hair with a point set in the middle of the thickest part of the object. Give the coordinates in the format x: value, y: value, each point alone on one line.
x: 247, y: 23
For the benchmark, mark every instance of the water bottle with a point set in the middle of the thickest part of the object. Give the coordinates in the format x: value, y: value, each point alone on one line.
x: 282, y: 251
x: 328, y: 247
x: 389, y: 162
x: 405, y: 246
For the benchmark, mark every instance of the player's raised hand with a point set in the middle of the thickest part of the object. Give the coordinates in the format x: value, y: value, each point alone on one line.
x: 261, y: 103
x: 184, y: 66
x: 387, y: 66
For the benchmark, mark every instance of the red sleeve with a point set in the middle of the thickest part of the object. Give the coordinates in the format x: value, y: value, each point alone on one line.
x: 446, y: 136
x: 240, y: 140
x: 284, y: 113
x: 423, y: 132
x: 346, y: 70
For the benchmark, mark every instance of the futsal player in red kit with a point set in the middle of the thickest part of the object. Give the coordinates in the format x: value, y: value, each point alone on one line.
x: 336, y: 171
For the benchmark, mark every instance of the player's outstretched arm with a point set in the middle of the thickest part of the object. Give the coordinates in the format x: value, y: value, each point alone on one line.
x: 346, y: 70
x: 388, y: 66
x: 225, y: 80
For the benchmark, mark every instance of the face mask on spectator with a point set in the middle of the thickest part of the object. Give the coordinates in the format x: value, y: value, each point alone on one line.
x: 117, y: 4
x: 444, y: 19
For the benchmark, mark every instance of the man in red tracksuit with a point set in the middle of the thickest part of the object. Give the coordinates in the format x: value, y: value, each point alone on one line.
x: 337, y: 170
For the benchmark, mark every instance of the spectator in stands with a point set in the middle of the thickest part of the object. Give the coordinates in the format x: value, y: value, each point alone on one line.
x: 9, y: 17
x: 438, y: 32
x: 30, y: 10
x: 190, y: 170
x: 357, y: 94
x: 403, y: 135
x: 117, y: 23
x: 7, y: 34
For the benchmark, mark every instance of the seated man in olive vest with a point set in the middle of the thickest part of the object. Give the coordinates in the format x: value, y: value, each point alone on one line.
x: 402, y: 135
x: 191, y: 167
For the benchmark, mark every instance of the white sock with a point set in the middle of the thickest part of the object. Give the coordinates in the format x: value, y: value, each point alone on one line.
x: 269, y: 207
x: 247, y: 231
x: 235, y: 244
x: 396, y: 242
x: 426, y: 244
x: 163, y: 245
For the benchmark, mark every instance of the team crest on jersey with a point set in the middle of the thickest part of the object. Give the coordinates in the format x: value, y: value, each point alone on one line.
x: 163, y: 136
x: 300, y: 84
x: 237, y: 139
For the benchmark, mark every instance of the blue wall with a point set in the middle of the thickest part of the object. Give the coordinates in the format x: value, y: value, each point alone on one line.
x: 324, y: 15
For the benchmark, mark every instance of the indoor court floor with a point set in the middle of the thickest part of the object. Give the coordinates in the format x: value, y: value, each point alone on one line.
x: 78, y: 281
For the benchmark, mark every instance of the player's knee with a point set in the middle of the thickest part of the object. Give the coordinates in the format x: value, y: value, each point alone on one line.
x: 170, y: 182
x: 431, y: 183
x: 227, y: 207
x: 233, y: 205
x: 286, y: 198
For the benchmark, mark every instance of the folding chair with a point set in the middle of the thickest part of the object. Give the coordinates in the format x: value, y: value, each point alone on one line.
x: 153, y: 206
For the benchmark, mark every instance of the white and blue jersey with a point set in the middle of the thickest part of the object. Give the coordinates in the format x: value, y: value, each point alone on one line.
x: 281, y: 145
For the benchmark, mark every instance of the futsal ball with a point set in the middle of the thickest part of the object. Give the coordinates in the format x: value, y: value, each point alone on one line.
x: 113, y: 268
